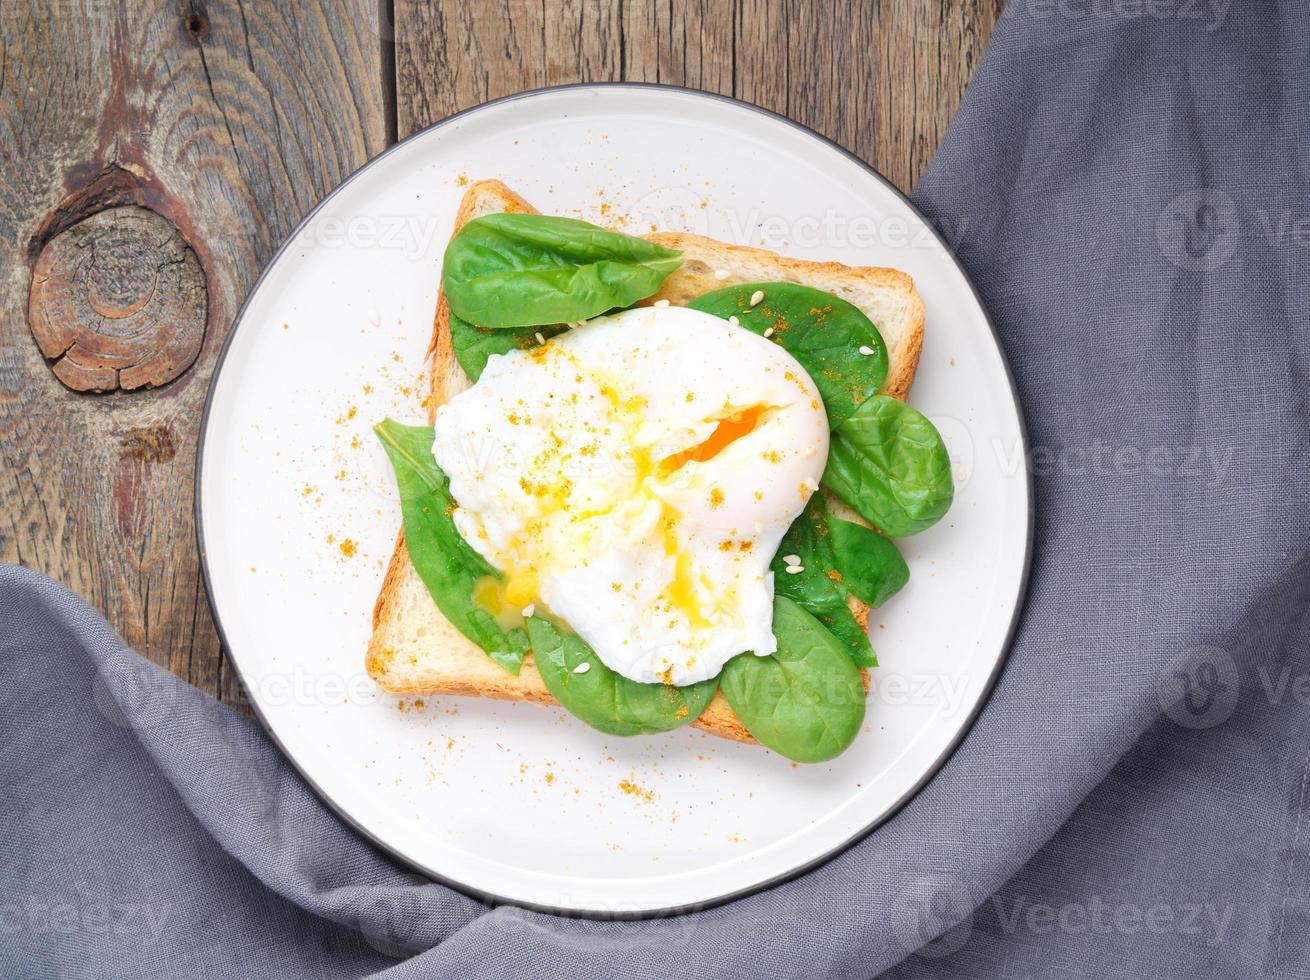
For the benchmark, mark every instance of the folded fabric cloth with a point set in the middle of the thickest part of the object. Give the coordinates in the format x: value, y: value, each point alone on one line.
x: 1127, y: 185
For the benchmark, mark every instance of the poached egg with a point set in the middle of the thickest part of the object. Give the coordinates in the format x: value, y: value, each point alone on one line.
x: 634, y: 477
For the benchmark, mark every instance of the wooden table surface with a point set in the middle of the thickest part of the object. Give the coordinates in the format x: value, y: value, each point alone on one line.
x: 156, y: 152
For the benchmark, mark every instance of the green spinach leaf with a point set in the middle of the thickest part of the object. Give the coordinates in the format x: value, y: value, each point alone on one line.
x: 871, y: 568
x: 523, y: 270
x: 473, y: 345
x: 806, y: 701
x: 446, y: 563
x: 818, y: 588
x: 607, y: 700
x: 823, y: 332
x: 889, y: 463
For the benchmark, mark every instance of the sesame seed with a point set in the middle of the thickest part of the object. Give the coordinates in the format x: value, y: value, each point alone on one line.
x: 757, y: 297
x: 374, y: 317
x: 734, y: 321
x: 769, y: 332
x: 540, y: 338
x: 795, y: 569
x: 792, y: 559
x: 810, y: 483
x: 720, y: 274
x: 528, y: 610
x: 866, y: 350
x: 809, y: 451
x: 582, y: 668
x: 660, y: 304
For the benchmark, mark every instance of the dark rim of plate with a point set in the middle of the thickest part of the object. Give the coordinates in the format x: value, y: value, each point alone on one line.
x: 929, y: 773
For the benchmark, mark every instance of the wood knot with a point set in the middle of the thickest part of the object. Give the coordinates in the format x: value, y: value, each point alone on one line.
x: 118, y: 301
x: 197, y: 24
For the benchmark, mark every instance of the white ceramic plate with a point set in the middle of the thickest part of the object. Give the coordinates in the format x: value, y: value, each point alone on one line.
x: 298, y: 516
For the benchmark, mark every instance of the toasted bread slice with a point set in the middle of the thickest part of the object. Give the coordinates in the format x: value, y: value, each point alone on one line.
x: 415, y: 650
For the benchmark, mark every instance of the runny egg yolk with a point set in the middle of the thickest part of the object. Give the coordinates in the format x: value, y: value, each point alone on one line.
x: 681, y: 592
x: 492, y: 595
x: 634, y: 476
x: 726, y: 432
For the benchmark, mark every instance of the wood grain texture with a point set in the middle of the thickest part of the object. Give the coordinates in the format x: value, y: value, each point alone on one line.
x: 880, y: 78
x: 220, y: 124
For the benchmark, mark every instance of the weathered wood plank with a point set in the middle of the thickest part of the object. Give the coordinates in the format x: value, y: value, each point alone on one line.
x: 880, y: 78
x: 228, y: 121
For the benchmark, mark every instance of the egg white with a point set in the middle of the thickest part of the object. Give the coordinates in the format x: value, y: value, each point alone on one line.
x: 634, y: 477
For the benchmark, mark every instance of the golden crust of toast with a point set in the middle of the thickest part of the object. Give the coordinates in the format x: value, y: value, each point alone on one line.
x: 414, y: 650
